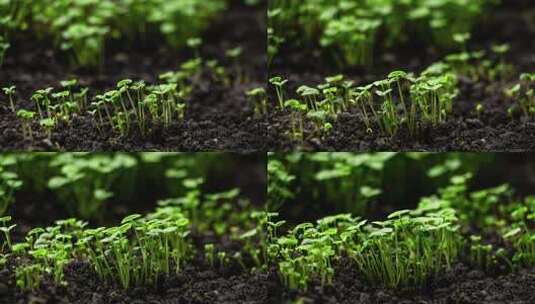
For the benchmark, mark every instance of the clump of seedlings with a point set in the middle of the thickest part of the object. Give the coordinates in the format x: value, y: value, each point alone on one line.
x: 134, y: 106
x: 350, y: 31
x: 520, y: 234
x: 137, y: 252
x: 48, y: 251
x: 384, y: 106
x: 141, y: 249
x: 84, y: 32
x: 407, y: 249
x: 523, y: 94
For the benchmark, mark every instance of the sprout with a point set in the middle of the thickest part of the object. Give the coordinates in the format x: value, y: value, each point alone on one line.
x: 279, y: 83
x: 48, y: 124
x: 28, y: 277
x: 234, y: 55
x: 209, y: 253
x: 479, y: 110
x: 297, y: 109
x: 523, y: 94
x: 10, y: 92
x: 27, y: 117
x: 6, y: 230
x: 195, y: 44
x: 258, y: 98
x: 461, y: 39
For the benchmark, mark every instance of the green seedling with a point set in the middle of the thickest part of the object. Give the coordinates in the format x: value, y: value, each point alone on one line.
x: 258, y: 98
x: 42, y: 98
x: 462, y: 39
x: 503, y: 70
x: 10, y: 92
x: 26, y: 117
x: 6, y: 231
x: 209, y: 254
x: 310, y: 95
x: 48, y: 124
x: 258, y: 240
x: 223, y: 259
x: 195, y: 45
x: 28, y: 277
x: 234, y: 55
x: 297, y: 109
x: 480, y: 254
x: 479, y: 110
x: 279, y: 83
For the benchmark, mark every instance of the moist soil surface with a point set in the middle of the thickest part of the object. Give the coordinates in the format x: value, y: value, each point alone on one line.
x: 513, y: 22
x: 217, y: 117
x: 198, y: 283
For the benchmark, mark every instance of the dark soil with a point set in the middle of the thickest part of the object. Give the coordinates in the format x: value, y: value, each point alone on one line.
x: 217, y: 118
x: 200, y: 283
x: 513, y: 22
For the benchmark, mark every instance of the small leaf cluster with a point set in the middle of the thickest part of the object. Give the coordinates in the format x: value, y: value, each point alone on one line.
x: 83, y: 184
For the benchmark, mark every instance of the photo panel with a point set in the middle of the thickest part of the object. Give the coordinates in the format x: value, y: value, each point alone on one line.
x: 403, y: 227
x: 174, y: 75
x: 127, y: 227
x: 394, y: 75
